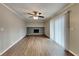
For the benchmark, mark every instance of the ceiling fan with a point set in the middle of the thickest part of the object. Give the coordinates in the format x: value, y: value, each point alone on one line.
x: 36, y: 15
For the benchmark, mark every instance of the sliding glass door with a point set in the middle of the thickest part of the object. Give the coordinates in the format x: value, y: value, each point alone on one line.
x: 59, y: 31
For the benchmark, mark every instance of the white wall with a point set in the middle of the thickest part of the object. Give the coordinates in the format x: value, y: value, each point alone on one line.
x: 11, y: 28
x: 74, y: 29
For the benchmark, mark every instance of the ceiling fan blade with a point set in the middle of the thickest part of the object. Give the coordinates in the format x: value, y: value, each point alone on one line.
x: 41, y: 16
x: 29, y: 13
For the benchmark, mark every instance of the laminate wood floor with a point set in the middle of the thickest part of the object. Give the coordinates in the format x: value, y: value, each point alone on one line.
x: 36, y: 46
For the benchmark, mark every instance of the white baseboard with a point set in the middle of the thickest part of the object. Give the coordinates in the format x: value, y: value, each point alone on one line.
x: 11, y: 45
x: 73, y: 53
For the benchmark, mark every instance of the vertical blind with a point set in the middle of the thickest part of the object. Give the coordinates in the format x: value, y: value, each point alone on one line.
x: 59, y: 30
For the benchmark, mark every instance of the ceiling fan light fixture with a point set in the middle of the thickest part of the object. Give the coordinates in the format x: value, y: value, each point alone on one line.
x: 35, y: 17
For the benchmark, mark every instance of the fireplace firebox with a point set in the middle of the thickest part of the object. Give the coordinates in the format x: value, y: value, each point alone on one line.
x: 36, y: 31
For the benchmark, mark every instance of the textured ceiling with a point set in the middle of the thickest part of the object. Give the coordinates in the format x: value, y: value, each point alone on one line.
x: 47, y: 9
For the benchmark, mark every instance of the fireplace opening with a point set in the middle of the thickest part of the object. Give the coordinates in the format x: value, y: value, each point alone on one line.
x: 36, y: 30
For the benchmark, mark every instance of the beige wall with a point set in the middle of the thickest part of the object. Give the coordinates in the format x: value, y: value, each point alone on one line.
x: 11, y: 28
x: 74, y: 29
x: 47, y: 28
x: 35, y: 24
